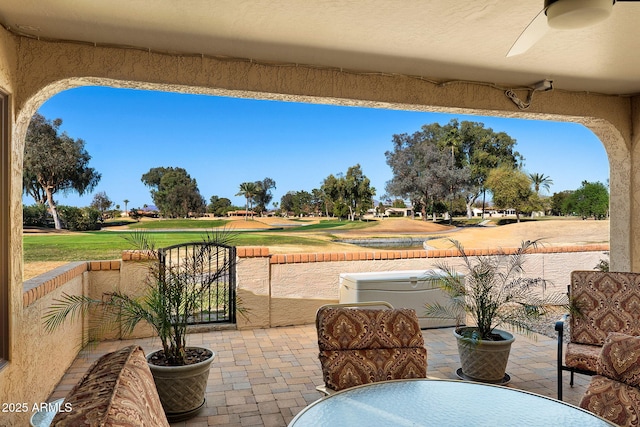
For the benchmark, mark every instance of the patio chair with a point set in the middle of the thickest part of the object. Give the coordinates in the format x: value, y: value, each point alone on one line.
x: 614, y: 393
x: 605, y: 302
x: 359, y: 345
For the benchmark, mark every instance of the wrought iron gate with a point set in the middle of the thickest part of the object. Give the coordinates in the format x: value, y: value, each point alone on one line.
x: 206, y: 270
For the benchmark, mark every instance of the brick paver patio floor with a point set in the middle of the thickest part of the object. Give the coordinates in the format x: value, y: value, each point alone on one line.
x: 264, y: 377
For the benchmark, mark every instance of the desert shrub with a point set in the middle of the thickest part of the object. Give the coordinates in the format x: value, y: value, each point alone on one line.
x: 80, y: 219
x: 35, y: 215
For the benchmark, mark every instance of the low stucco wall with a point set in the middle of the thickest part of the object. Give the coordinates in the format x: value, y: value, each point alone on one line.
x: 40, y: 358
x: 254, y: 288
x: 298, y: 286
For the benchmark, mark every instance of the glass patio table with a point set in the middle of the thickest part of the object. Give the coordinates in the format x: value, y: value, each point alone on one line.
x: 425, y: 402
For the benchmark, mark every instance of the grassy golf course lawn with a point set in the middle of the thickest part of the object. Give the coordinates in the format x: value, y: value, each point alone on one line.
x: 46, y: 249
x: 109, y: 245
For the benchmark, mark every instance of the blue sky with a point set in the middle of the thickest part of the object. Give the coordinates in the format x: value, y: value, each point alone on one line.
x: 222, y: 142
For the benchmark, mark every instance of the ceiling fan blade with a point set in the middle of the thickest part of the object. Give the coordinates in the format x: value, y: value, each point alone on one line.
x: 530, y: 36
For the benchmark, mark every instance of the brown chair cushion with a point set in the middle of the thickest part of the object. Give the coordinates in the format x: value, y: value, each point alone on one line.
x: 342, y: 328
x: 117, y: 391
x: 620, y: 359
x: 582, y: 356
x: 607, y: 302
x: 360, y: 346
x: 348, y: 368
x: 612, y: 400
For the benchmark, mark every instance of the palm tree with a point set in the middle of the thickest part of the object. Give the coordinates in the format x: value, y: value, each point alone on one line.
x: 248, y: 190
x: 539, y: 180
x: 126, y: 202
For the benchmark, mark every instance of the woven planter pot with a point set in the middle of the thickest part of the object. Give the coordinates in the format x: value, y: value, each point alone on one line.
x: 484, y: 361
x: 181, y: 388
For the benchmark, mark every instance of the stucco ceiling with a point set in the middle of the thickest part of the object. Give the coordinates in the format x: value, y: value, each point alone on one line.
x: 436, y: 39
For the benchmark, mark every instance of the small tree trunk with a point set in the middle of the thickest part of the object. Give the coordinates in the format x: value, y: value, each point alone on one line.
x: 52, y: 209
x: 484, y: 194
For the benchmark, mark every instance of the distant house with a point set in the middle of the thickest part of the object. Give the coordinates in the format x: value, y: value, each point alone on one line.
x: 149, y: 211
x: 398, y: 212
x: 493, y: 212
x: 389, y: 212
x: 240, y: 213
x: 488, y: 212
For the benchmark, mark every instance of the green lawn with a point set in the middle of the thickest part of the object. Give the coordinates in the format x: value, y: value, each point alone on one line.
x: 334, y: 224
x: 101, y: 245
x: 179, y: 224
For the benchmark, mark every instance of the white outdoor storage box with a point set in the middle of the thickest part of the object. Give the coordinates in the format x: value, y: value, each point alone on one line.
x: 402, y: 289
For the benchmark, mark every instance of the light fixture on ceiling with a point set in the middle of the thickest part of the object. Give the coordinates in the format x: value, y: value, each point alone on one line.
x: 541, y: 86
x: 570, y: 14
x: 563, y: 15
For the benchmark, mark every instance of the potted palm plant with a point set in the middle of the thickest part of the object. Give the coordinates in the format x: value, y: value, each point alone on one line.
x: 172, y: 296
x: 490, y: 291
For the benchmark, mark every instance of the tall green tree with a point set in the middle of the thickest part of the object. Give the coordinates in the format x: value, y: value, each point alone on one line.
x: 539, y: 180
x: 248, y: 190
x: 317, y: 200
x: 482, y: 150
x: 511, y: 189
x: 263, y: 196
x: 54, y: 162
x: 297, y: 202
x: 286, y: 202
x: 591, y: 199
x: 398, y: 203
x: 348, y: 195
x: 101, y: 202
x: 219, y: 206
x: 332, y: 192
x: 358, y: 192
x: 174, y: 192
x: 425, y: 167
x: 562, y: 203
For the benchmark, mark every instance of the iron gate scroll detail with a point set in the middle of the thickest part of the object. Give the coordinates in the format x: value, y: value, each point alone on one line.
x: 206, y: 271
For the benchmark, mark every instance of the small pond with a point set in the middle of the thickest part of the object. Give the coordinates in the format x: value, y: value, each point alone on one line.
x: 389, y: 243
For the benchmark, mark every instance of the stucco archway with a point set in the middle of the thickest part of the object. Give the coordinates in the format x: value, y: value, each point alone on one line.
x: 32, y: 71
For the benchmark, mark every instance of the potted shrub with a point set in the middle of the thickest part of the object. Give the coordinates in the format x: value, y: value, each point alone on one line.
x: 490, y: 291
x: 172, y: 296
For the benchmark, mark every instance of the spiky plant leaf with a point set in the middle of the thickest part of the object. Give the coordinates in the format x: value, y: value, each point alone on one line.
x: 492, y: 291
